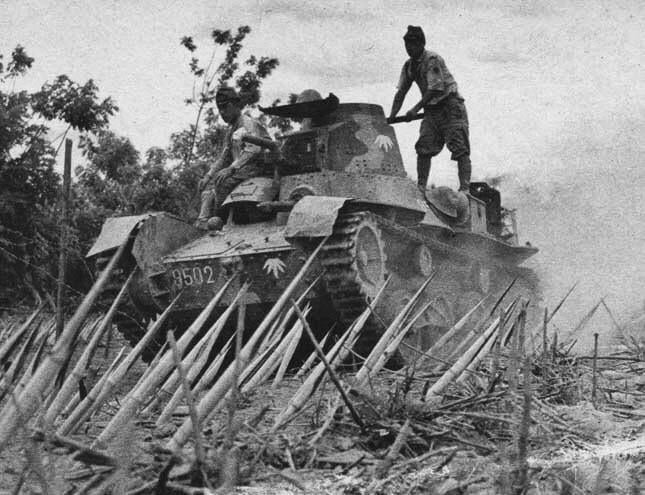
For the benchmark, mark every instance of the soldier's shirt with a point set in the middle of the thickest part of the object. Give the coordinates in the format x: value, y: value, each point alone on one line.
x: 430, y: 73
x: 239, y: 151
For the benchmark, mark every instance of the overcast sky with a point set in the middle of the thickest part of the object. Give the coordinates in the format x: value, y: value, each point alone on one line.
x: 554, y: 92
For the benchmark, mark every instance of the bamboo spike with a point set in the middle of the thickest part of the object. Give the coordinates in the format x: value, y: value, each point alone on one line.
x: 201, y: 348
x: 30, y: 398
x: 12, y: 341
x: 214, y: 396
x: 581, y: 324
x: 336, y: 354
x: 557, y: 308
x: 484, y: 350
x: 329, y: 368
x: 273, y: 358
x: 387, y: 336
x: 456, y: 369
x: 454, y: 330
x: 68, y: 427
x: 281, y: 323
x: 396, y: 341
x: 306, y: 366
x: 84, y: 411
x: 291, y: 349
x: 197, y: 364
x: 137, y: 396
x: 70, y: 386
x: 210, y: 374
x: 13, y: 373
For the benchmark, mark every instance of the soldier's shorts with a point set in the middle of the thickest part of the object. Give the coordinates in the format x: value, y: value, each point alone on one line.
x: 213, y: 196
x: 445, y: 123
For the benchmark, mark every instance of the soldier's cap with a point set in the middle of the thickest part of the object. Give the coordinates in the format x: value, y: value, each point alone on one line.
x: 226, y: 94
x: 415, y: 33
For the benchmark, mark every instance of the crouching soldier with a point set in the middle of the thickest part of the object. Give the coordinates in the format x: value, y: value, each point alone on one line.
x: 237, y: 162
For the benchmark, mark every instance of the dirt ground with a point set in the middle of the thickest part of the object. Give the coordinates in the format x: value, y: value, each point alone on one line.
x: 573, y: 445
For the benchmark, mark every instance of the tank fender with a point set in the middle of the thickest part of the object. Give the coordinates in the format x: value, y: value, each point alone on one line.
x: 114, y: 232
x: 314, y: 216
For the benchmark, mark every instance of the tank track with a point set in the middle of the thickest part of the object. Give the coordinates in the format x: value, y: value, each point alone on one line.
x: 338, y: 257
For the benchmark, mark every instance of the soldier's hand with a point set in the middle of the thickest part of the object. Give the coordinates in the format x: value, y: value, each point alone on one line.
x: 239, y: 134
x: 411, y: 113
x: 225, y: 173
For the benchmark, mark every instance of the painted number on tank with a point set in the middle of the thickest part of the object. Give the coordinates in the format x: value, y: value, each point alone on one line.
x: 198, y: 275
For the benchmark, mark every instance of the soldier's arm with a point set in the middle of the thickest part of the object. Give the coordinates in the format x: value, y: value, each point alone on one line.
x: 249, y: 151
x: 224, y: 159
x: 401, y: 90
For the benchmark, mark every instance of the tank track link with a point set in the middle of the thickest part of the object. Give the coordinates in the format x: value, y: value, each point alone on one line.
x: 338, y: 258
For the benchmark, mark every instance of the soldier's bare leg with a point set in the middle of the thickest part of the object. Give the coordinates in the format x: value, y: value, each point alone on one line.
x: 464, y: 170
x: 206, y: 207
x: 423, y: 170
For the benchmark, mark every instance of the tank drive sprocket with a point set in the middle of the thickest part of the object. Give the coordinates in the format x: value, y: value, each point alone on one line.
x: 354, y: 270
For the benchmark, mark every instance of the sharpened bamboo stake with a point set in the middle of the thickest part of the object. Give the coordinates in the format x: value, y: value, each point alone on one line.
x: 291, y: 349
x: 336, y: 354
x: 456, y: 328
x: 391, y: 331
x: 306, y: 366
x: 196, y: 365
x: 70, y: 386
x: 329, y: 368
x: 31, y: 397
x: 136, y: 397
x: 70, y: 427
x: 86, y: 408
x: 8, y: 346
x: 457, y: 368
x: 213, y: 397
x: 196, y: 356
x: 272, y: 358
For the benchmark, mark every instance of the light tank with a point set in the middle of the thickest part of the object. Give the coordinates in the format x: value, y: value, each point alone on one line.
x: 341, y: 178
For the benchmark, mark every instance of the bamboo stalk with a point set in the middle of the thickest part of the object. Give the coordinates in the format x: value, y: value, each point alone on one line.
x: 214, y: 396
x: 86, y: 409
x: 456, y: 369
x: 197, y: 356
x: 269, y: 359
x: 32, y: 396
x: 394, y: 450
x: 136, y: 397
x: 454, y: 330
x: 197, y: 430
x: 389, y: 333
x: 69, y: 427
x: 282, y: 369
x: 329, y: 368
x: 336, y: 354
x: 196, y: 366
x: 12, y: 341
x: 306, y: 366
x: 70, y: 385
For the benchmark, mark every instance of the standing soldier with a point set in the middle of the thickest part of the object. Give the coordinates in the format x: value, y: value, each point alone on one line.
x: 237, y: 162
x: 445, y: 121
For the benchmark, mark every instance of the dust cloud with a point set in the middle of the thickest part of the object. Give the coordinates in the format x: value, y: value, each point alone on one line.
x: 581, y: 200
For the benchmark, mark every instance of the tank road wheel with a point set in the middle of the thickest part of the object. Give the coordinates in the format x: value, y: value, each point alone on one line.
x: 354, y: 268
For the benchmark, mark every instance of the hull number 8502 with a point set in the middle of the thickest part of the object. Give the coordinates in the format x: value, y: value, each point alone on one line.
x: 198, y: 275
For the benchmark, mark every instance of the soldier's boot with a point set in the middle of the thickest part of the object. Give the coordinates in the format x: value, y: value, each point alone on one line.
x: 423, y: 170
x: 464, y: 170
